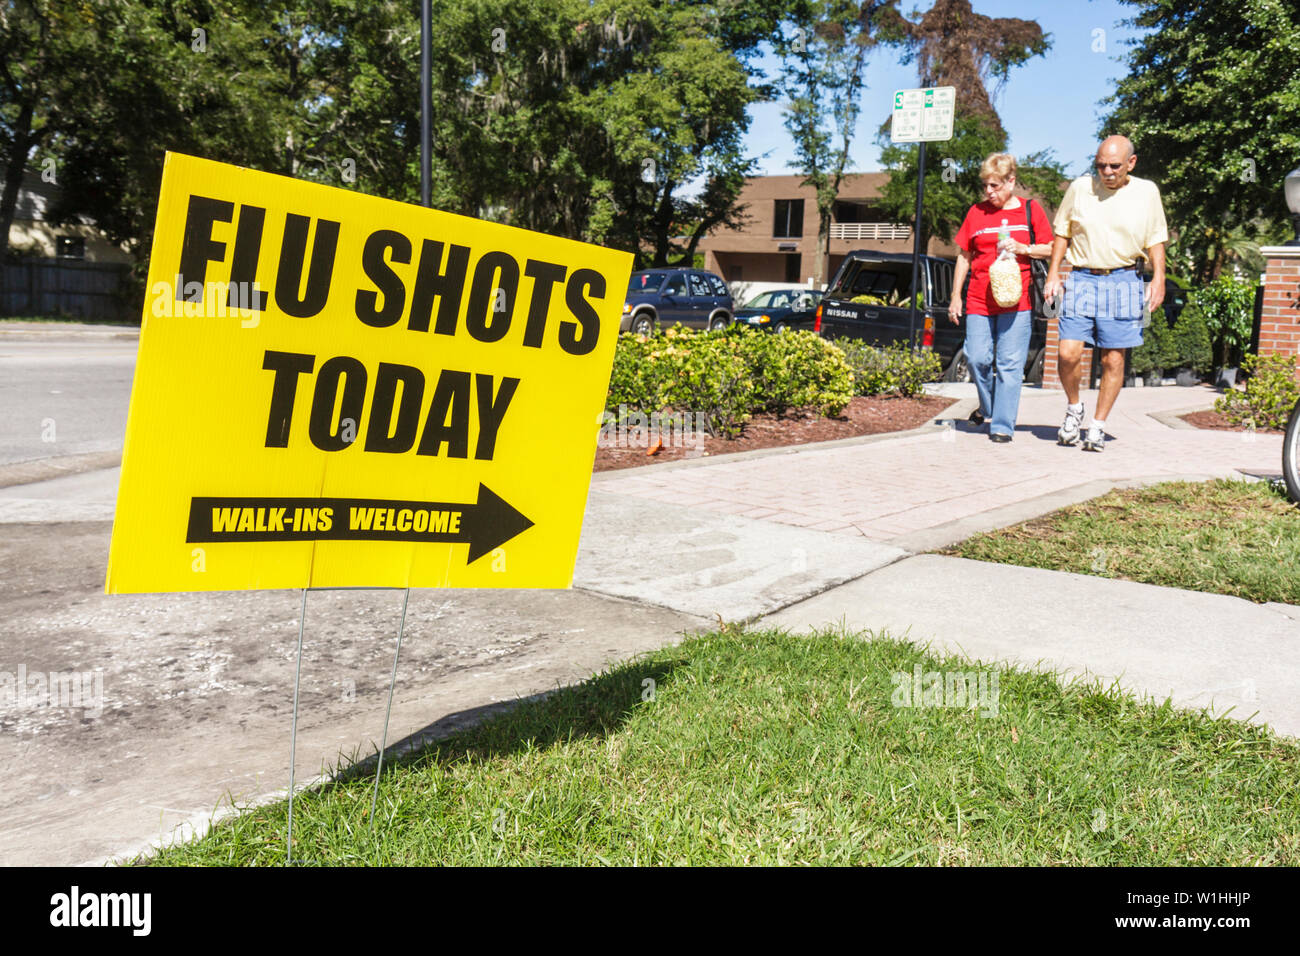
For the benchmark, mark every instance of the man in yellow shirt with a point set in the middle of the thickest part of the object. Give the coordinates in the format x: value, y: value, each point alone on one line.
x: 1105, y: 224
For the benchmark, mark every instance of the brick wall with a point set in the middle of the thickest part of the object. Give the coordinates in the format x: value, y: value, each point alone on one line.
x: 1051, y: 370
x: 1279, y: 322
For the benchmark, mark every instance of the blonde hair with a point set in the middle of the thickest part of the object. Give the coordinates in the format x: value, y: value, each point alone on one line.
x: 1001, y: 165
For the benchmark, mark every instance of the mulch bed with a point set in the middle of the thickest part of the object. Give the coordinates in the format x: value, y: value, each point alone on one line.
x: 1218, y: 422
x: 865, y: 415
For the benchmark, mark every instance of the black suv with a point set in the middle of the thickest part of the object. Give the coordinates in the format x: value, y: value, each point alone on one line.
x: 665, y: 296
x: 869, y: 297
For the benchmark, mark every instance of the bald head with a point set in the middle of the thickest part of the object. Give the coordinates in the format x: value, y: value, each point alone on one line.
x: 1122, y: 143
x: 1115, y: 160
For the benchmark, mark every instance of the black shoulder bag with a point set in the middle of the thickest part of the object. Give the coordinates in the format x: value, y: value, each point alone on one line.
x: 1037, y: 270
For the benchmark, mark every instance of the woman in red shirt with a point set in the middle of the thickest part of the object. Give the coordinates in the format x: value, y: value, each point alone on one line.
x: 996, y: 334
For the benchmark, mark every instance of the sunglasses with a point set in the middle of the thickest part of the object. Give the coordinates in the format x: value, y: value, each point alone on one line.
x: 1110, y: 165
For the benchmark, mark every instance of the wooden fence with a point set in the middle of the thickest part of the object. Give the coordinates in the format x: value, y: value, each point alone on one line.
x: 93, y: 291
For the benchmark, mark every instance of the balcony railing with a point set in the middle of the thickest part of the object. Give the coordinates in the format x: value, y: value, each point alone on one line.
x: 876, y: 231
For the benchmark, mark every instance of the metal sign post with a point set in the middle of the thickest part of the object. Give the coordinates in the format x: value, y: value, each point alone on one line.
x: 426, y: 102
x: 916, y: 246
x: 921, y: 116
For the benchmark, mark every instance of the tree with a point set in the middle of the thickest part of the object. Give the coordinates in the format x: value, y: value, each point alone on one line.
x: 954, y: 46
x: 194, y: 78
x: 1210, y: 102
x: 45, y: 51
x: 823, y: 60
x: 582, y: 119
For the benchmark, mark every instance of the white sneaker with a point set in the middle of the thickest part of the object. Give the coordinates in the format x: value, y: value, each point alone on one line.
x: 1095, y: 440
x: 1069, y: 433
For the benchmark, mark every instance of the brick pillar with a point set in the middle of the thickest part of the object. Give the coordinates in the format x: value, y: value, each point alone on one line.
x: 1279, y: 322
x: 1051, y: 376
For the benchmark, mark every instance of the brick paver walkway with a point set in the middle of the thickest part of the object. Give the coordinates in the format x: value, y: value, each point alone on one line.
x: 891, y: 488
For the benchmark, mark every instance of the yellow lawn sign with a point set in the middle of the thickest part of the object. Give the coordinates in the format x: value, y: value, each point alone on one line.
x: 335, y: 390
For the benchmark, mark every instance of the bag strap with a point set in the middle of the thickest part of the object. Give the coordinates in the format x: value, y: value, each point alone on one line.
x: 1029, y: 219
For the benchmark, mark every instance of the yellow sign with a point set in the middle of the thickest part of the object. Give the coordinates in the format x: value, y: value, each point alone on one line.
x: 335, y: 390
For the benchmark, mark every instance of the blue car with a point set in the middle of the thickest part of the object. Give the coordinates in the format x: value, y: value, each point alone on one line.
x: 663, y: 297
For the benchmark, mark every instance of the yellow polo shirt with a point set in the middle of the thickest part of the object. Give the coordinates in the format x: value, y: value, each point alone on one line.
x: 1110, y: 228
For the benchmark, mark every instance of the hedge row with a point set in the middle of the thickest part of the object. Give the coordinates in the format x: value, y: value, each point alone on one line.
x: 1185, y: 344
x: 731, y: 375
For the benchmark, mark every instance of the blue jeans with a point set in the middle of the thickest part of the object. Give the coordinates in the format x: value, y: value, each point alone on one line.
x: 998, y: 388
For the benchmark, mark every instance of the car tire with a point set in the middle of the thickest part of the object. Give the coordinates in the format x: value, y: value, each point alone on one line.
x: 958, y: 369
x: 643, y: 323
x: 1035, y: 374
x: 779, y: 327
x: 719, y: 321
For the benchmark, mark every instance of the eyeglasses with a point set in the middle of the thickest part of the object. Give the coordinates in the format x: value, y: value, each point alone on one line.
x: 994, y: 185
x: 1110, y: 165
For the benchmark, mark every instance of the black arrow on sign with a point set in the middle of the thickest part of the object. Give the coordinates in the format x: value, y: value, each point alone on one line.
x: 484, y: 525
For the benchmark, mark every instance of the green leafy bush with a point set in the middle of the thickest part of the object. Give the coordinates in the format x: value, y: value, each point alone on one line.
x: 1271, y: 392
x: 893, y: 370
x: 637, y: 381
x: 797, y: 369
x: 1156, y: 353
x: 1229, y: 309
x: 709, y: 374
x: 728, y: 376
x: 1191, y: 340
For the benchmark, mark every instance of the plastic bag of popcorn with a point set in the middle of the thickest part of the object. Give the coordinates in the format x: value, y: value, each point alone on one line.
x: 1004, y: 279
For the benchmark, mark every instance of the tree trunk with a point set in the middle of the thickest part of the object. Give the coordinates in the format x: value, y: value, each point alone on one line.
x: 23, y: 143
x: 823, y: 247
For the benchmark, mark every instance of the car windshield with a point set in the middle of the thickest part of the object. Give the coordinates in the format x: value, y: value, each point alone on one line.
x: 784, y: 299
x: 644, y: 283
x: 769, y: 300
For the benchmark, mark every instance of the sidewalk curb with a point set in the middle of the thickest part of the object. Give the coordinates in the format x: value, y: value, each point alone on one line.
x: 1171, y: 418
x: 946, y: 535
x: 60, y: 466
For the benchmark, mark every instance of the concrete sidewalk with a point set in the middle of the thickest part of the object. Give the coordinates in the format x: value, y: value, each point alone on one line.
x: 800, y: 537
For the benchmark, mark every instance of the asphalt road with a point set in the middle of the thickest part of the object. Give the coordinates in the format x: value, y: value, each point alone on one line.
x: 63, y: 392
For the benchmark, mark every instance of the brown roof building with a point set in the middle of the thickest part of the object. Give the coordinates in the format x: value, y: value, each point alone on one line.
x: 778, y: 241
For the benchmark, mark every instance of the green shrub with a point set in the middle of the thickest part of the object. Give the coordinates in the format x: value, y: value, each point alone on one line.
x: 1156, y: 353
x: 893, y: 370
x: 709, y: 374
x: 1229, y: 309
x: 1191, y: 340
x: 637, y: 381
x: 676, y: 369
x: 1271, y: 392
x: 797, y: 369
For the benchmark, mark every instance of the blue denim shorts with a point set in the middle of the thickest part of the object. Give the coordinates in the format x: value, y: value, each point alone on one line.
x: 1102, y: 310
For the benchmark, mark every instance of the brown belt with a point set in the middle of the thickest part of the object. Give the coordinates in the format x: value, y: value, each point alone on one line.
x: 1105, y: 272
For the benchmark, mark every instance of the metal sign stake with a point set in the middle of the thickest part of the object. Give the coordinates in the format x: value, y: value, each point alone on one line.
x: 392, y: 683
x: 293, y: 733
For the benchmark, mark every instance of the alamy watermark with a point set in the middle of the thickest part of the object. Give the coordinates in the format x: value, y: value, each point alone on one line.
x: 956, y: 689
x: 209, y: 300
x: 37, y: 689
x: 636, y: 429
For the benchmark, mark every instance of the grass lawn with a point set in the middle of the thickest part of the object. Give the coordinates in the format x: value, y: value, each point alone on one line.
x: 1226, y: 537
x: 764, y: 748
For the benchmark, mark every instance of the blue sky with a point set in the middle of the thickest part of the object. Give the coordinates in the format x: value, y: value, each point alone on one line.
x: 1051, y: 102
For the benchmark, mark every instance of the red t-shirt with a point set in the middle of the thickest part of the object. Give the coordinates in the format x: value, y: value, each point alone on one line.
x: 978, y: 235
